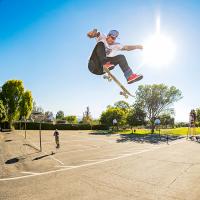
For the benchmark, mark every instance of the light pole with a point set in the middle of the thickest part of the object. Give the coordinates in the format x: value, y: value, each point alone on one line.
x: 24, y: 120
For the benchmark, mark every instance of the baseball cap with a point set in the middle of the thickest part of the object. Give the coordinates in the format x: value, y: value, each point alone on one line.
x: 113, y: 33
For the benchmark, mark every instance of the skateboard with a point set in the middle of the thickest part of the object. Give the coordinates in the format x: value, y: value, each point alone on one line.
x: 109, y: 76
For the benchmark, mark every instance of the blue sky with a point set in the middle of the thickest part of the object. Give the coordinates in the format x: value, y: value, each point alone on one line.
x: 44, y: 43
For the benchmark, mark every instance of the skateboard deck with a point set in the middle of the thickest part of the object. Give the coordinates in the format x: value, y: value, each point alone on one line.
x: 111, y: 77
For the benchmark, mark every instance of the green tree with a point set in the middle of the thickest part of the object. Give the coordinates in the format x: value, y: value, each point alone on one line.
x: 136, y: 117
x: 112, y: 113
x: 198, y: 115
x: 95, y: 121
x: 71, y: 119
x: 37, y: 109
x: 87, y: 118
x: 166, y: 119
x: 155, y: 99
x: 12, y: 93
x: 26, y: 104
x: 123, y: 105
x: 2, y: 112
x: 60, y: 115
x: 48, y: 116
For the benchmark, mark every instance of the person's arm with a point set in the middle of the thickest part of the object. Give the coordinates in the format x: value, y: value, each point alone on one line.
x: 94, y: 33
x: 131, y: 47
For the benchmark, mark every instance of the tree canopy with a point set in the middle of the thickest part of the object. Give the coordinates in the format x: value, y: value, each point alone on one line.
x: 72, y: 119
x: 60, y: 115
x: 136, y: 116
x: 112, y: 113
x: 2, y: 112
x: 12, y: 92
x: 26, y: 104
x: 87, y: 118
x: 156, y: 98
x: 16, y: 101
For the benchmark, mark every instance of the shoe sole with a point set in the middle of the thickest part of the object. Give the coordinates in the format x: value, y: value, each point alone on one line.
x: 135, y: 80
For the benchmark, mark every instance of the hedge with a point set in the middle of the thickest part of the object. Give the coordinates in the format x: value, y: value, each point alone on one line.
x: 50, y: 126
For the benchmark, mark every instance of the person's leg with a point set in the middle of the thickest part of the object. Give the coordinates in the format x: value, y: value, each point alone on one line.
x: 98, y: 59
x: 57, y: 142
x: 122, y: 62
x: 128, y: 73
x: 100, y: 53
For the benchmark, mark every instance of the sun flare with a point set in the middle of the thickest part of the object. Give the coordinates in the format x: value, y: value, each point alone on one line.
x: 159, y: 49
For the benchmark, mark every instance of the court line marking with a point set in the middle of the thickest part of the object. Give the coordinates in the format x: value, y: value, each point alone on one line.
x: 94, y: 160
x: 29, y: 173
x: 91, y: 164
x: 56, y: 159
x: 65, y: 166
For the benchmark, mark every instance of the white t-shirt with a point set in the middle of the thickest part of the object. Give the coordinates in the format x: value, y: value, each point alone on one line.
x: 111, y: 50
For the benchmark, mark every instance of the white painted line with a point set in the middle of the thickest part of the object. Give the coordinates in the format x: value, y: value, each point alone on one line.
x: 90, y: 164
x: 33, y: 173
x: 125, y: 154
x: 93, y: 160
x: 51, y: 156
x: 57, y: 160
x: 64, y: 166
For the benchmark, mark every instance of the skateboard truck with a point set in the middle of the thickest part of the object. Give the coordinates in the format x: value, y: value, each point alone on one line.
x: 107, y: 77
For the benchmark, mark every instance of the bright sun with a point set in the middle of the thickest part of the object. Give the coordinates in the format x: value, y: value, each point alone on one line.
x: 159, y: 50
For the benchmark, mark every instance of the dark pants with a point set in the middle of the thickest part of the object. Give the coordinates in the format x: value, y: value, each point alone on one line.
x: 98, y: 59
x: 57, y: 142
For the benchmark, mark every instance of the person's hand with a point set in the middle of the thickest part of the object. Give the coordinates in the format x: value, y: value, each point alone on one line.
x: 92, y: 33
x: 140, y: 47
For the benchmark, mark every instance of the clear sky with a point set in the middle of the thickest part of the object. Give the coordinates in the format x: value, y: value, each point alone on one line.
x: 44, y: 43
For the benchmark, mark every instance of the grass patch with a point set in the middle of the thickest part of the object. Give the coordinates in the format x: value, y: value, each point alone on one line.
x: 175, y: 131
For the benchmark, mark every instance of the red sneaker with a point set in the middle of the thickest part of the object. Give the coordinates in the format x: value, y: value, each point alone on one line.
x: 108, y: 65
x: 133, y: 78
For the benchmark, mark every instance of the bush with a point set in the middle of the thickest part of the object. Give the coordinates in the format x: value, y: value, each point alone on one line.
x: 5, y: 126
x: 50, y: 126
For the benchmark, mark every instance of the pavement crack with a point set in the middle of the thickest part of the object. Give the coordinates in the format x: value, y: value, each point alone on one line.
x: 104, y: 184
x: 181, y: 174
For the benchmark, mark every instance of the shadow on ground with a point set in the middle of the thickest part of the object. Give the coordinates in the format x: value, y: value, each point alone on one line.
x: 46, y: 155
x: 148, y: 138
x: 12, y: 161
x: 107, y: 133
x: 8, y: 140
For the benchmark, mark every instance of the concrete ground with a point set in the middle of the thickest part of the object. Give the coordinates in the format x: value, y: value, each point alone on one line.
x: 98, y: 166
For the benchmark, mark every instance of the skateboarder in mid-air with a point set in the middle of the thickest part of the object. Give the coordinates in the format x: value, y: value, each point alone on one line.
x: 105, y: 55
